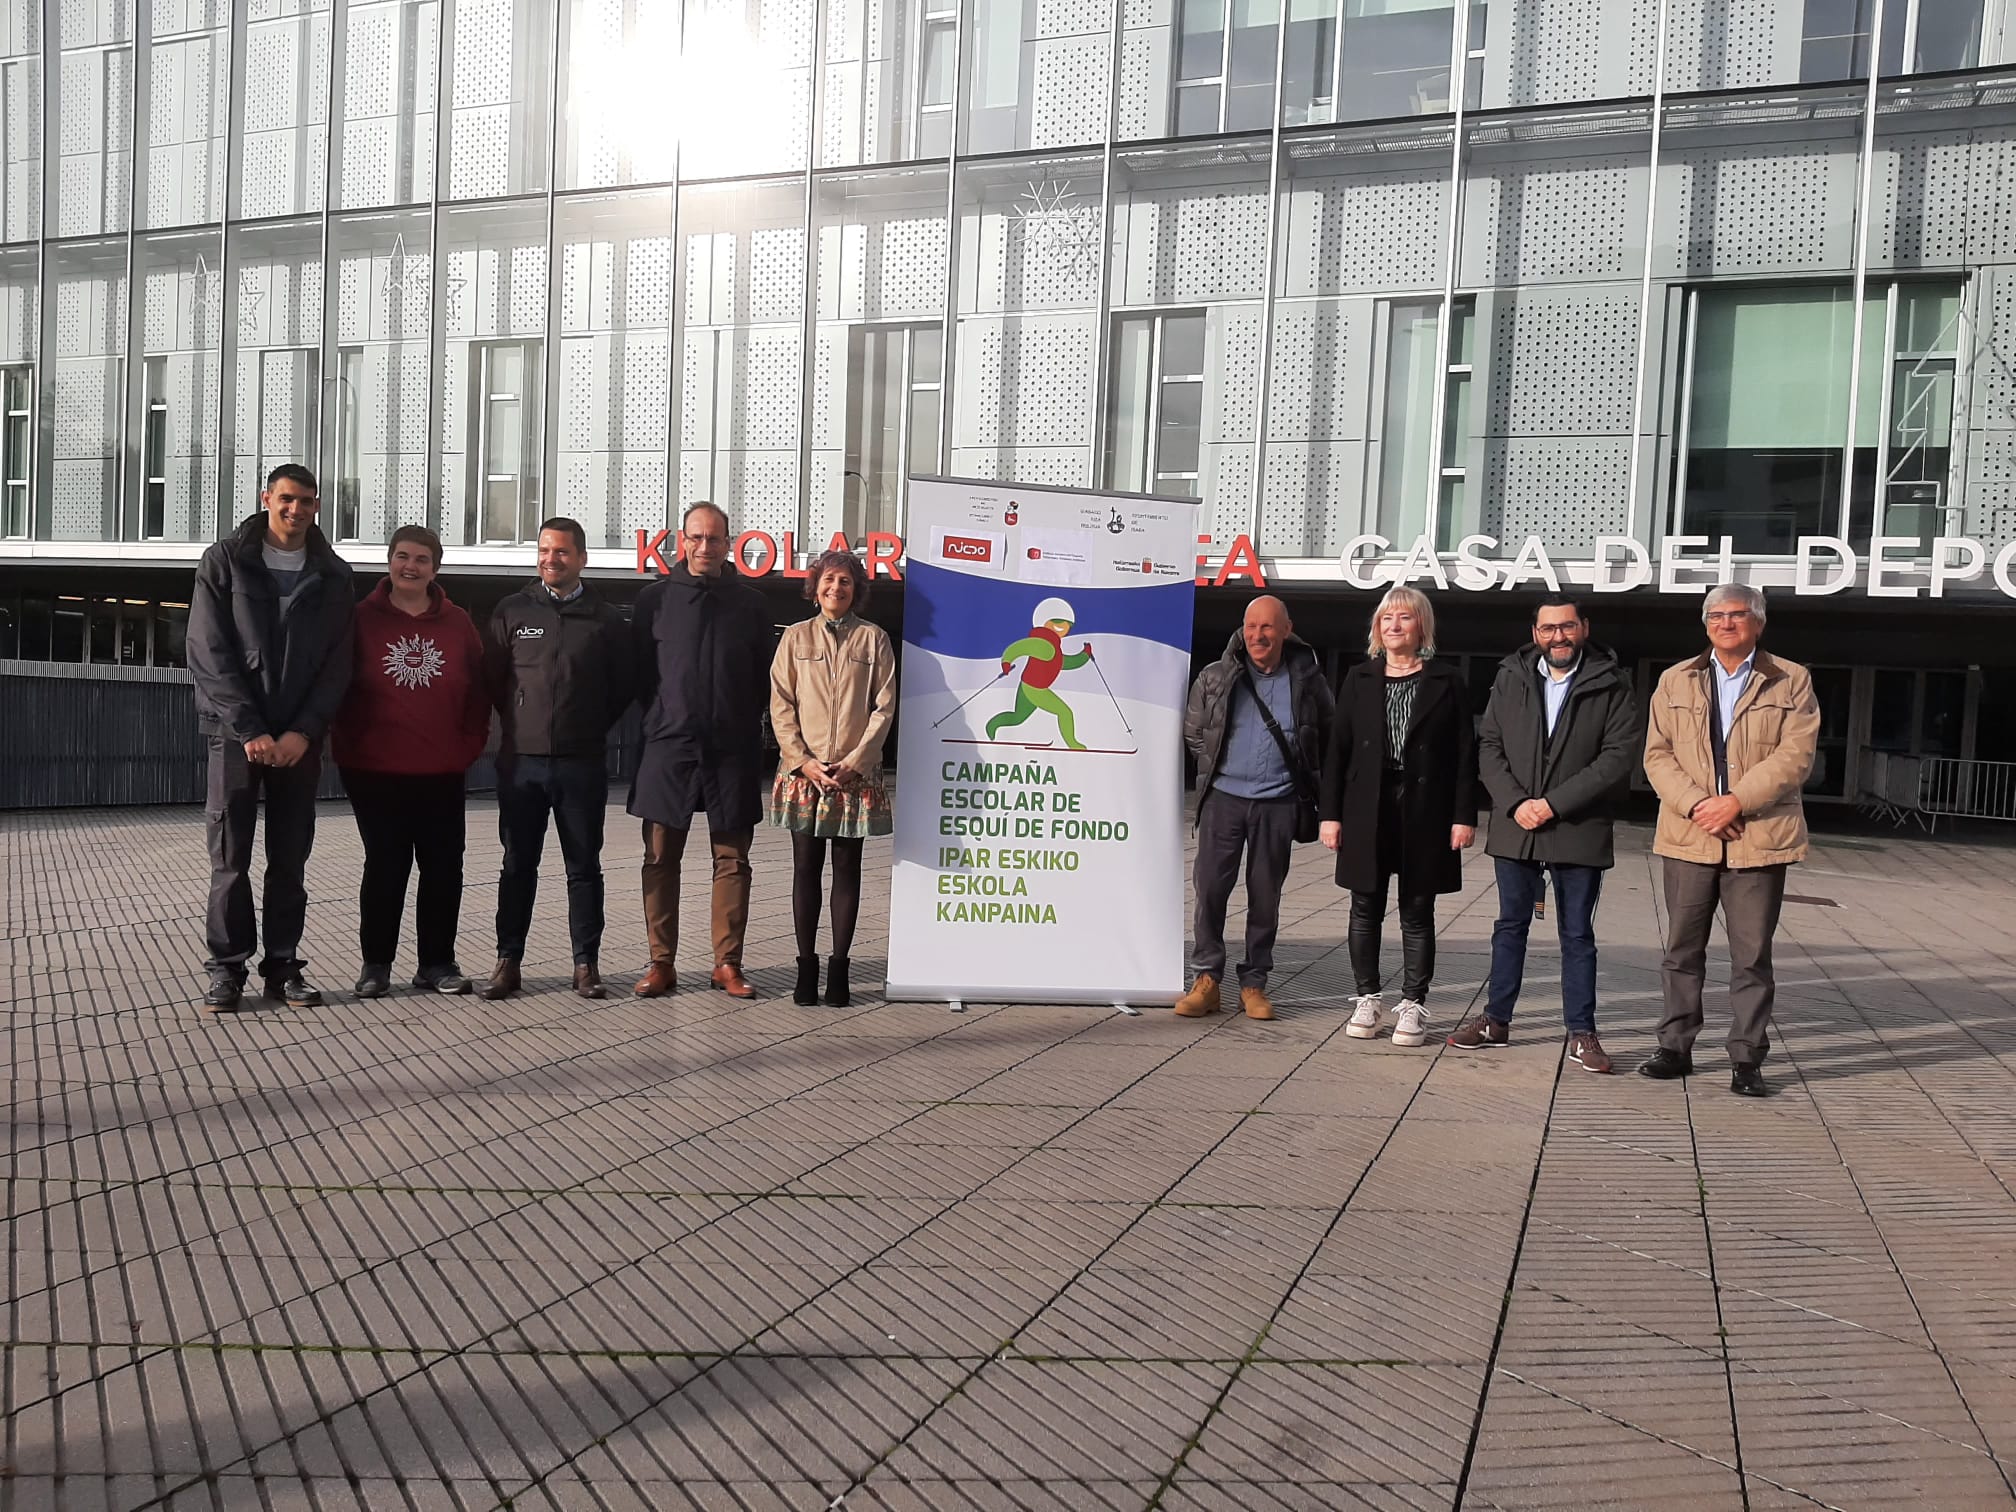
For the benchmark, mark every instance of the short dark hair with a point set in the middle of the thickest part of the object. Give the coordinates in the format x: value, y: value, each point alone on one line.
x: 294, y: 472
x: 568, y: 527
x: 1557, y: 601
x: 417, y: 535
x: 837, y: 561
x: 713, y: 509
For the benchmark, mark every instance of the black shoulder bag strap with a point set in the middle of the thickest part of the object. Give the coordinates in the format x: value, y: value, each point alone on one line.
x: 1304, y: 789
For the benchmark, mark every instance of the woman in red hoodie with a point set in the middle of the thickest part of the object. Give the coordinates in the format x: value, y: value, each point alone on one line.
x: 414, y: 722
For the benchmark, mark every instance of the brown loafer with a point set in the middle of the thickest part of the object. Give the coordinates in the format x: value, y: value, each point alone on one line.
x: 588, y: 982
x: 503, y: 980
x: 728, y: 978
x: 657, y: 982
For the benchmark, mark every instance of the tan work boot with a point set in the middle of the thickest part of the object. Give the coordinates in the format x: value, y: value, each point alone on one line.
x: 1256, y: 1002
x: 1201, y: 999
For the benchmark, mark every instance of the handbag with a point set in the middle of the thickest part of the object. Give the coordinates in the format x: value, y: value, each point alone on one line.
x: 1306, y: 827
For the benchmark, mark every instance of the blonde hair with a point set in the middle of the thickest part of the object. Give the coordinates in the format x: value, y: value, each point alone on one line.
x: 1424, y: 616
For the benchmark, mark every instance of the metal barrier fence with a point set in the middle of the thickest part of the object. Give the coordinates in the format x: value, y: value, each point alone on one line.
x: 98, y: 737
x: 1951, y: 788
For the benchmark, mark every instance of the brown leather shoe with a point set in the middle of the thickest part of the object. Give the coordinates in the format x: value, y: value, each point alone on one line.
x: 503, y: 980
x: 1256, y: 1002
x: 588, y: 982
x: 1202, y: 998
x: 728, y: 978
x: 657, y: 982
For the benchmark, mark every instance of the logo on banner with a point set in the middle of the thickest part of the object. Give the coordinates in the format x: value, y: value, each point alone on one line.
x: 1009, y: 517
x: 967, y: 549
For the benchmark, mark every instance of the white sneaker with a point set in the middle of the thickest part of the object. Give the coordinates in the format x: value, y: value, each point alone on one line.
x: 1410, y: 1027
x: 1365, y: 1017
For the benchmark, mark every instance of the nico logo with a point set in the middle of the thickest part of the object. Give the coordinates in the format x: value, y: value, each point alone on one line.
x: 968, y: 549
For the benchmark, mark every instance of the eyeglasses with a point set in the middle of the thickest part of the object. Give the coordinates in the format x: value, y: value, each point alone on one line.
x: 1726, y: 616
x: 707, y: 540
x: 1557, y: 632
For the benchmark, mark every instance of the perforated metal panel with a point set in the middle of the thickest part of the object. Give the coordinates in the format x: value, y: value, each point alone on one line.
x: 1576, y: 218
x: 1232, y: 382
x: 1068, y: 99
x: 1143, y: 110
x: 1227, y: 490
x: 1193, y: 244
x: 1991, y: 486
x: 776, y: 264
x: 1345, y: 234
x: 1322, y: 362
x: 1562, y: 364
x: 763, y: 396
x: 1315, y: 497
x: 1565, y: 489
x: 1731, y: 44
x: 1541, y: 52
x: 1024, y: 383
x: 893, y: 270
x: 1920, y: 200
x: 1757, y: 210
x: 1991, y: 212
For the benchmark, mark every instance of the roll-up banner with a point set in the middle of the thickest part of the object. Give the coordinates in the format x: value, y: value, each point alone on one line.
x: 1039, y: 781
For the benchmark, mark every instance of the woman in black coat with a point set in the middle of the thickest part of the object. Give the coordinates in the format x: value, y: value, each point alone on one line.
x: 1399, y: 799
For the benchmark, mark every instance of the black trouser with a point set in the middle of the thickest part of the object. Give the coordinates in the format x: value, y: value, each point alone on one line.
x: 575, y: 791
x: 1368, y: 911
x: 1417, y: 941
x: 1263, y: 829
x: 401, y: 820
x: 231, y: 815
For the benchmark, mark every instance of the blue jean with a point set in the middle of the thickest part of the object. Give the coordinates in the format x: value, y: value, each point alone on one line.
x: 1522, y: 884
x: 574, y: 790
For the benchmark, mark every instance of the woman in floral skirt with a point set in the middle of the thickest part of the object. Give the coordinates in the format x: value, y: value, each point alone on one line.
x: 832, y: 693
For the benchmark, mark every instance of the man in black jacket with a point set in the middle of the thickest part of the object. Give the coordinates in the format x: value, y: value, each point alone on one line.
x: 703, y: 647
x: 1556, y: 749
x: 269, y: 652
x: 1250, y: 793
x: 559, y: 671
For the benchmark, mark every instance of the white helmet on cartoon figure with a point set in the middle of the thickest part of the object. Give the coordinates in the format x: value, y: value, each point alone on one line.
x: 1053, y: 609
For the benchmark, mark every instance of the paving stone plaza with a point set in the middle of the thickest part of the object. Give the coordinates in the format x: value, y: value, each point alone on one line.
x: 443, y: 1253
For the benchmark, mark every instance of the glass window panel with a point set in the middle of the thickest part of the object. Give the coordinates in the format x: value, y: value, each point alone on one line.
x: 85, y: 388
x: 741, y: 383
x: 1456, y: 519
x: 21, y: 122
x: 1928, y: 317
x: 66, y: 631
x: 1127, y: 402
x: 1396, y: 58
x: 276, y: 277
x: 499, y: 102
x: 104, y: 626
x: 875, y: 408
x: 1404, y: 461
x: 927, y: 355
x: 1890, y: 710
x: 189, y: 93
x: 1179, y: 428
x: 133, y: 635
x: 502, y: 509
x: 283, y: 156
x: 1463, y: 339
x: 492, y: 288
x: 171, y: 635
x: 1921, y: 405
x: 924, y: 423
x: 505, y: 439
x: 1183, y: 346
x: 615, y: 363
x: 1949, y: 34
x: 620, y: 63
x: 1943, y: 715
x: 1197, y: 109
x: 938, y: 47
x: 733, y: 55
x: 1455, y: 419
x: 1200, y: 40
x: 391, y: 63
x: 182, y: 289
x: 1771, y: 368
x: 383, y: 286
x: 1310, y: 63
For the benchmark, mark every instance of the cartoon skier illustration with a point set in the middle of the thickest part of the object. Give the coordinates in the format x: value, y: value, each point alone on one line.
x: 1044, y: 649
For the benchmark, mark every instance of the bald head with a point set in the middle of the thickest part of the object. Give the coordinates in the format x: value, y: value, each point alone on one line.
x: 1266, y: 632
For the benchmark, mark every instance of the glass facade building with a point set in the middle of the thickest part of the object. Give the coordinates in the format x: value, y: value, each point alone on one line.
x: 1555, y: 268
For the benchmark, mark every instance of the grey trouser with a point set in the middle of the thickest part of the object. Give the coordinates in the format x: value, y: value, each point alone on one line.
x: 1750, y: 901
x: 1264, y: 829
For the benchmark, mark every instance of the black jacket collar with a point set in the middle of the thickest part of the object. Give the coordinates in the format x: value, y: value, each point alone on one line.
x: 248, y: 541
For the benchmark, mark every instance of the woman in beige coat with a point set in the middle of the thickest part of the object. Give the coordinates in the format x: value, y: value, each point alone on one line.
x: 832, y: 692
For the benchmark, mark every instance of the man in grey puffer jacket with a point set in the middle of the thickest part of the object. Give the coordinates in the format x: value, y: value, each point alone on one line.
x: 1250, y: 791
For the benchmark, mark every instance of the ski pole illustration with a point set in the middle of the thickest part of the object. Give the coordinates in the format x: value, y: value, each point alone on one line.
x: 1116, y: 702
x: 939, y: 721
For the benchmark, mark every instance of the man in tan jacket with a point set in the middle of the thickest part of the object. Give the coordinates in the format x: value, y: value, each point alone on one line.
x: 1728, y: 744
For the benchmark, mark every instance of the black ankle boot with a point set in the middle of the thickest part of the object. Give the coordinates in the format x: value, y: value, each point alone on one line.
x: 836, y: 982
x: 806, y: 993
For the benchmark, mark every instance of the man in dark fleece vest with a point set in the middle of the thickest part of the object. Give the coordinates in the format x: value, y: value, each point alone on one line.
x: 269, y: 653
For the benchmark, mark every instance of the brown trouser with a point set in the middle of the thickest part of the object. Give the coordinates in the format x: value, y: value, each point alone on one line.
x: 1750, y: 899
x: 663, y: 848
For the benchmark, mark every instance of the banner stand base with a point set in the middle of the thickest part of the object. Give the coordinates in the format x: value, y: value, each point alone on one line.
x: 1127, y: 1008
x: 956, y: 1006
